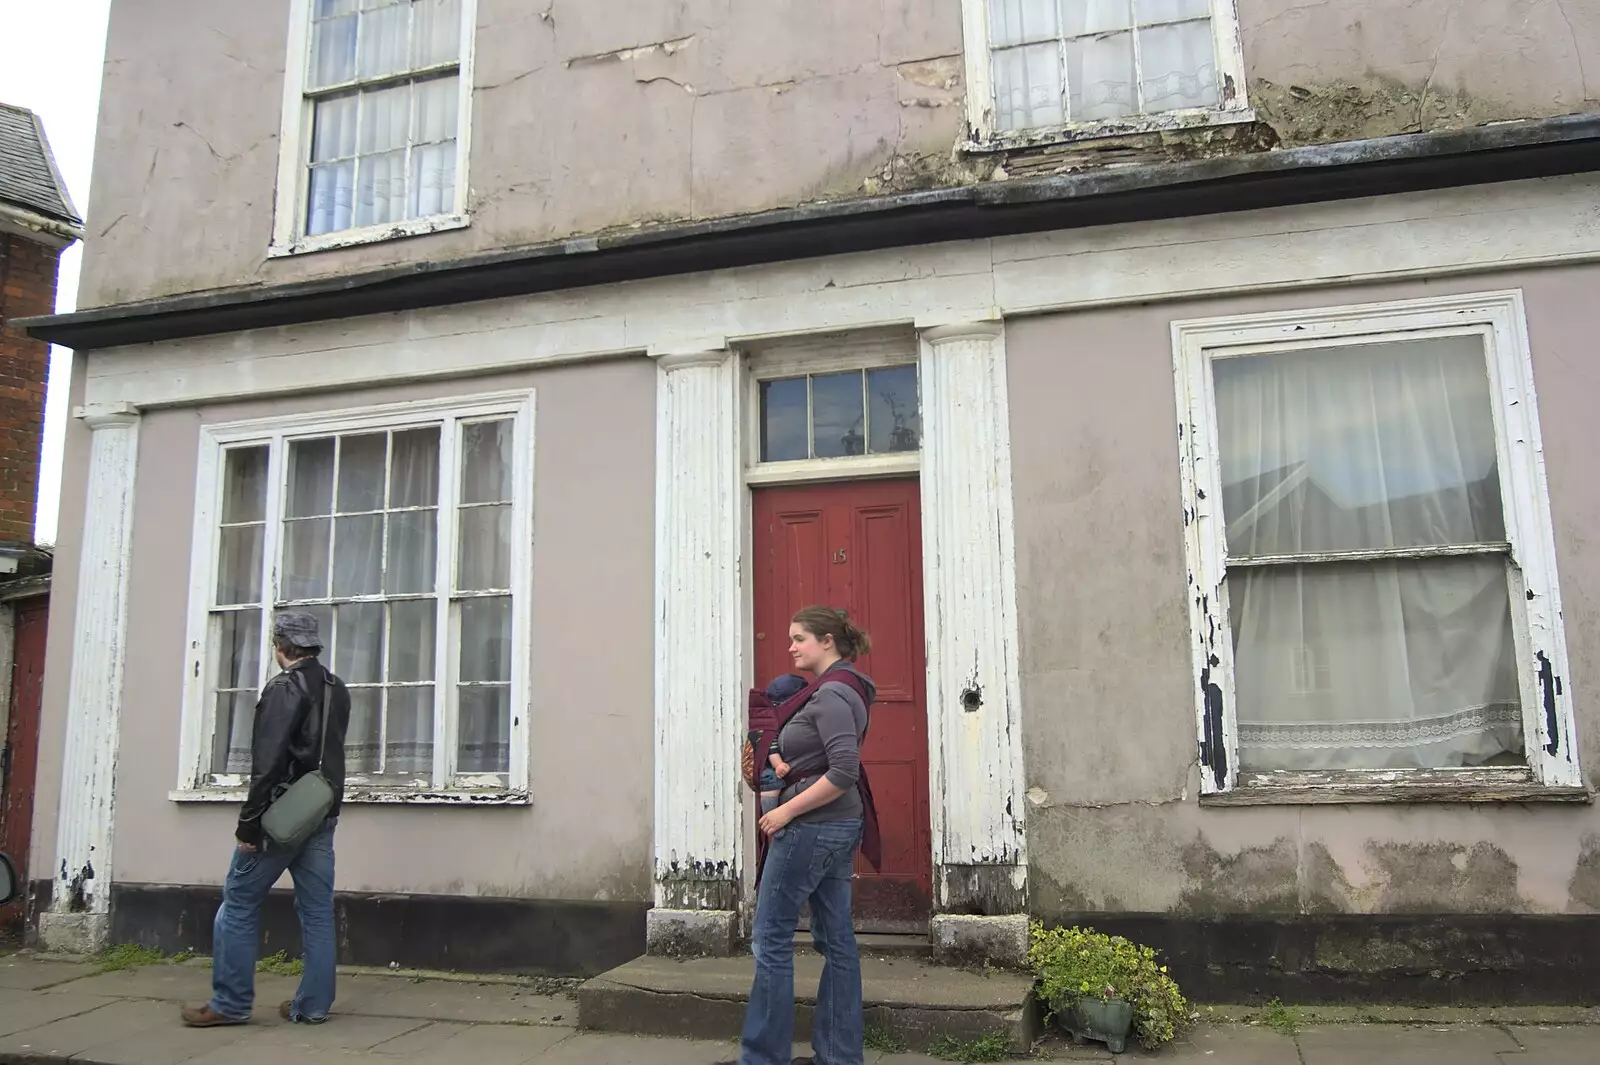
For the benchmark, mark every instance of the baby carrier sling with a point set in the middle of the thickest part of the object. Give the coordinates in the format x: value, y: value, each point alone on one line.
x: 767, y: 720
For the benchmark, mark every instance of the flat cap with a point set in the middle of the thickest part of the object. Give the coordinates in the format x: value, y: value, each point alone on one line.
x: 298, y: 629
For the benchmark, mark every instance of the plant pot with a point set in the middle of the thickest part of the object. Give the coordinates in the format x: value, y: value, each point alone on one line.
x: 1104, y: 1021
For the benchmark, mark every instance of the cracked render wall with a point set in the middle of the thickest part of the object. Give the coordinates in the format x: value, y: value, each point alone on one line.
x: 1114, y: 823
x: 594, y: 114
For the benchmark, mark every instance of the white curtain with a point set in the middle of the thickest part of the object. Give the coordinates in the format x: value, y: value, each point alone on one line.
x: 1366, y: 665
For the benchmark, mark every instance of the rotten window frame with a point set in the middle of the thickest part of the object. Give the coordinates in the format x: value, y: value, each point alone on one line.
x: 445, y: 784
x: 292, y: 199
x: 1499, y: 319
x: 983, y: 136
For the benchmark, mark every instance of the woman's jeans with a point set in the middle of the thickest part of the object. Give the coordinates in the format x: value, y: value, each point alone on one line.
x: 235, y: 936
x: 809, y: 862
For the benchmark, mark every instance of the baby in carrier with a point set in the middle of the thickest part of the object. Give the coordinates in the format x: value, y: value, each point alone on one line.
x: 771, y: 785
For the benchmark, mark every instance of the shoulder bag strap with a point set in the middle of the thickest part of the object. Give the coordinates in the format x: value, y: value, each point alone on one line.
x: 322, y: 708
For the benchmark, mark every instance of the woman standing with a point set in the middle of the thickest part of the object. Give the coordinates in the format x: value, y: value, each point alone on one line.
x: 814, y: 833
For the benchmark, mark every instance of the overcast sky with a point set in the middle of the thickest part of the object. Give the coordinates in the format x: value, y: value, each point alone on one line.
x: 50, y: 58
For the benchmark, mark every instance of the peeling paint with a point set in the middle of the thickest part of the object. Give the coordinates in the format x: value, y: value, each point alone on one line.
x: 1443, y: 878
x: 1261, y: 879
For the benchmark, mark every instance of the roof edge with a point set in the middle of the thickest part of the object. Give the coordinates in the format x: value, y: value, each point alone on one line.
x: 1391, y: 165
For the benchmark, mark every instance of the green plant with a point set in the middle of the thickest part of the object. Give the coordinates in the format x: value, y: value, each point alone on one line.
x: 129, y: 956
x: 883, y: 1039
x: 280, y: 964
x: 991, y: 1047
x: 182, y: 956
x: 1281, y: 1018
x: 1073, y: 963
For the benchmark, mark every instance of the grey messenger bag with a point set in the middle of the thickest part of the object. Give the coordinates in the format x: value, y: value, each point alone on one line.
x: 300, y: 809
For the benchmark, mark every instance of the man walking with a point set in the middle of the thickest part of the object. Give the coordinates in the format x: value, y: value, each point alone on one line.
x: 287, y: 743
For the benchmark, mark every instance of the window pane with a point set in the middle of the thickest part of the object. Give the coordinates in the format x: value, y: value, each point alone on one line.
x: 486, y: 462
x: 381, y: 189
x: 361, y: 475
x: 894, y: 416
x: 1395, y: 665
x: 783, y: 420
x: 385, y: 119
x: 437, y: 105
x: 326, y: 8
x: 305, y: 559
x: 486, y: 639
x: 333, y: 195
x: 411, y: 566
x: 1021, y: 21
x: 310, y: 478
x: 239, y: 565
x: 433, y: 180
x: 230, y: 738
x: 836, y: 411
x: 333, y: 51
x: 485, y: 730
x: 244, y: 485
x: 384, y: 41
x: 324, y: 615
x: 238, y: 650
x: 334, y: 125
x: 1027, y: 86
x: 411, y: 639
x: 1179, y: 67
x: 1358, y: 447
x: 358, y: 643
x: 414, y: 470
x: 1080, y: 17
x: 1172, y: 10
x: 484, y: 556
x: 358, y: 555
x: 363, y: 738
x: 1100, y: 77
x: 409, y: 746
x: 436, y: 32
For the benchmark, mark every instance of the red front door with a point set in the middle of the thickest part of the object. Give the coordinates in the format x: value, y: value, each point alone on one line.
x: 20, y: 760
x: 858, y: 546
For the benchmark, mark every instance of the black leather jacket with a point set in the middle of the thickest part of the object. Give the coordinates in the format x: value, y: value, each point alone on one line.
x: 286, y: 736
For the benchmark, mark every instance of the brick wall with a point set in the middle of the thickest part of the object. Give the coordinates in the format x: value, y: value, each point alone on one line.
x: 27, y: 287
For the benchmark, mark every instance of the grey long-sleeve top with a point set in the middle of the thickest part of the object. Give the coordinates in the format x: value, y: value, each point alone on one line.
x: 824, y: 739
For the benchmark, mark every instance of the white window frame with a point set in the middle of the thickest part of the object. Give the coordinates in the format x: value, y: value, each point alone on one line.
x: 1498, y: 319
x: 983, y: 136
x: 825, y: 353
x: 196, y: 782
x: 294, y: 149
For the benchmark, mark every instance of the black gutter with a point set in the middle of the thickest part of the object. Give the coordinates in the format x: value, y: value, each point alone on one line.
x: 1410, y: 163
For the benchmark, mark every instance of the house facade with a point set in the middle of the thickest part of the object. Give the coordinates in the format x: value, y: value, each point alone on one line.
x: 1191, y: 398
x: 37, y: 222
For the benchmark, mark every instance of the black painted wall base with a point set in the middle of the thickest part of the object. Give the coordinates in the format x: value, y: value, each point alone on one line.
x: 1418, y: 959
x: 447, y: 932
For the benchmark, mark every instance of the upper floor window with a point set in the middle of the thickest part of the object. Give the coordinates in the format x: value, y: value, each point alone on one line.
x: 1042, y: 70
x: 375, y: 116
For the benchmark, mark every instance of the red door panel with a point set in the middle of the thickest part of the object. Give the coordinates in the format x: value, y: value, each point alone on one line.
x: 20, y: 760
x: 859, y: 546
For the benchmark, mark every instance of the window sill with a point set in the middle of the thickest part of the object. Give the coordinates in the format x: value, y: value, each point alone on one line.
x: 1394, y: 786
x: 350, y: 238
x: 1016, y: 140
x: 368, y: 796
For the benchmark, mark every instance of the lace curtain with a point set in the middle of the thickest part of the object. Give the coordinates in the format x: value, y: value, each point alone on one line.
x: 1057, y: 61
x: 1390, y: 663
x: 383, y: 154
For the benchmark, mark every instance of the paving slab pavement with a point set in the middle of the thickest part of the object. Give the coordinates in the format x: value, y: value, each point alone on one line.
x: 52, y: 1011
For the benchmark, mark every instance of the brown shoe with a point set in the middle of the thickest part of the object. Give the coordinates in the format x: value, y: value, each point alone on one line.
x: 206, y: 1017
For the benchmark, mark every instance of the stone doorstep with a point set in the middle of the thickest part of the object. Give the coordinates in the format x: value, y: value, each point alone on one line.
x: 705, y: 998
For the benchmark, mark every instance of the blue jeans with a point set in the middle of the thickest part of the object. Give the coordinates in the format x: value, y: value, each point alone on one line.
x: 806, y: 863
x: 236, y: 934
